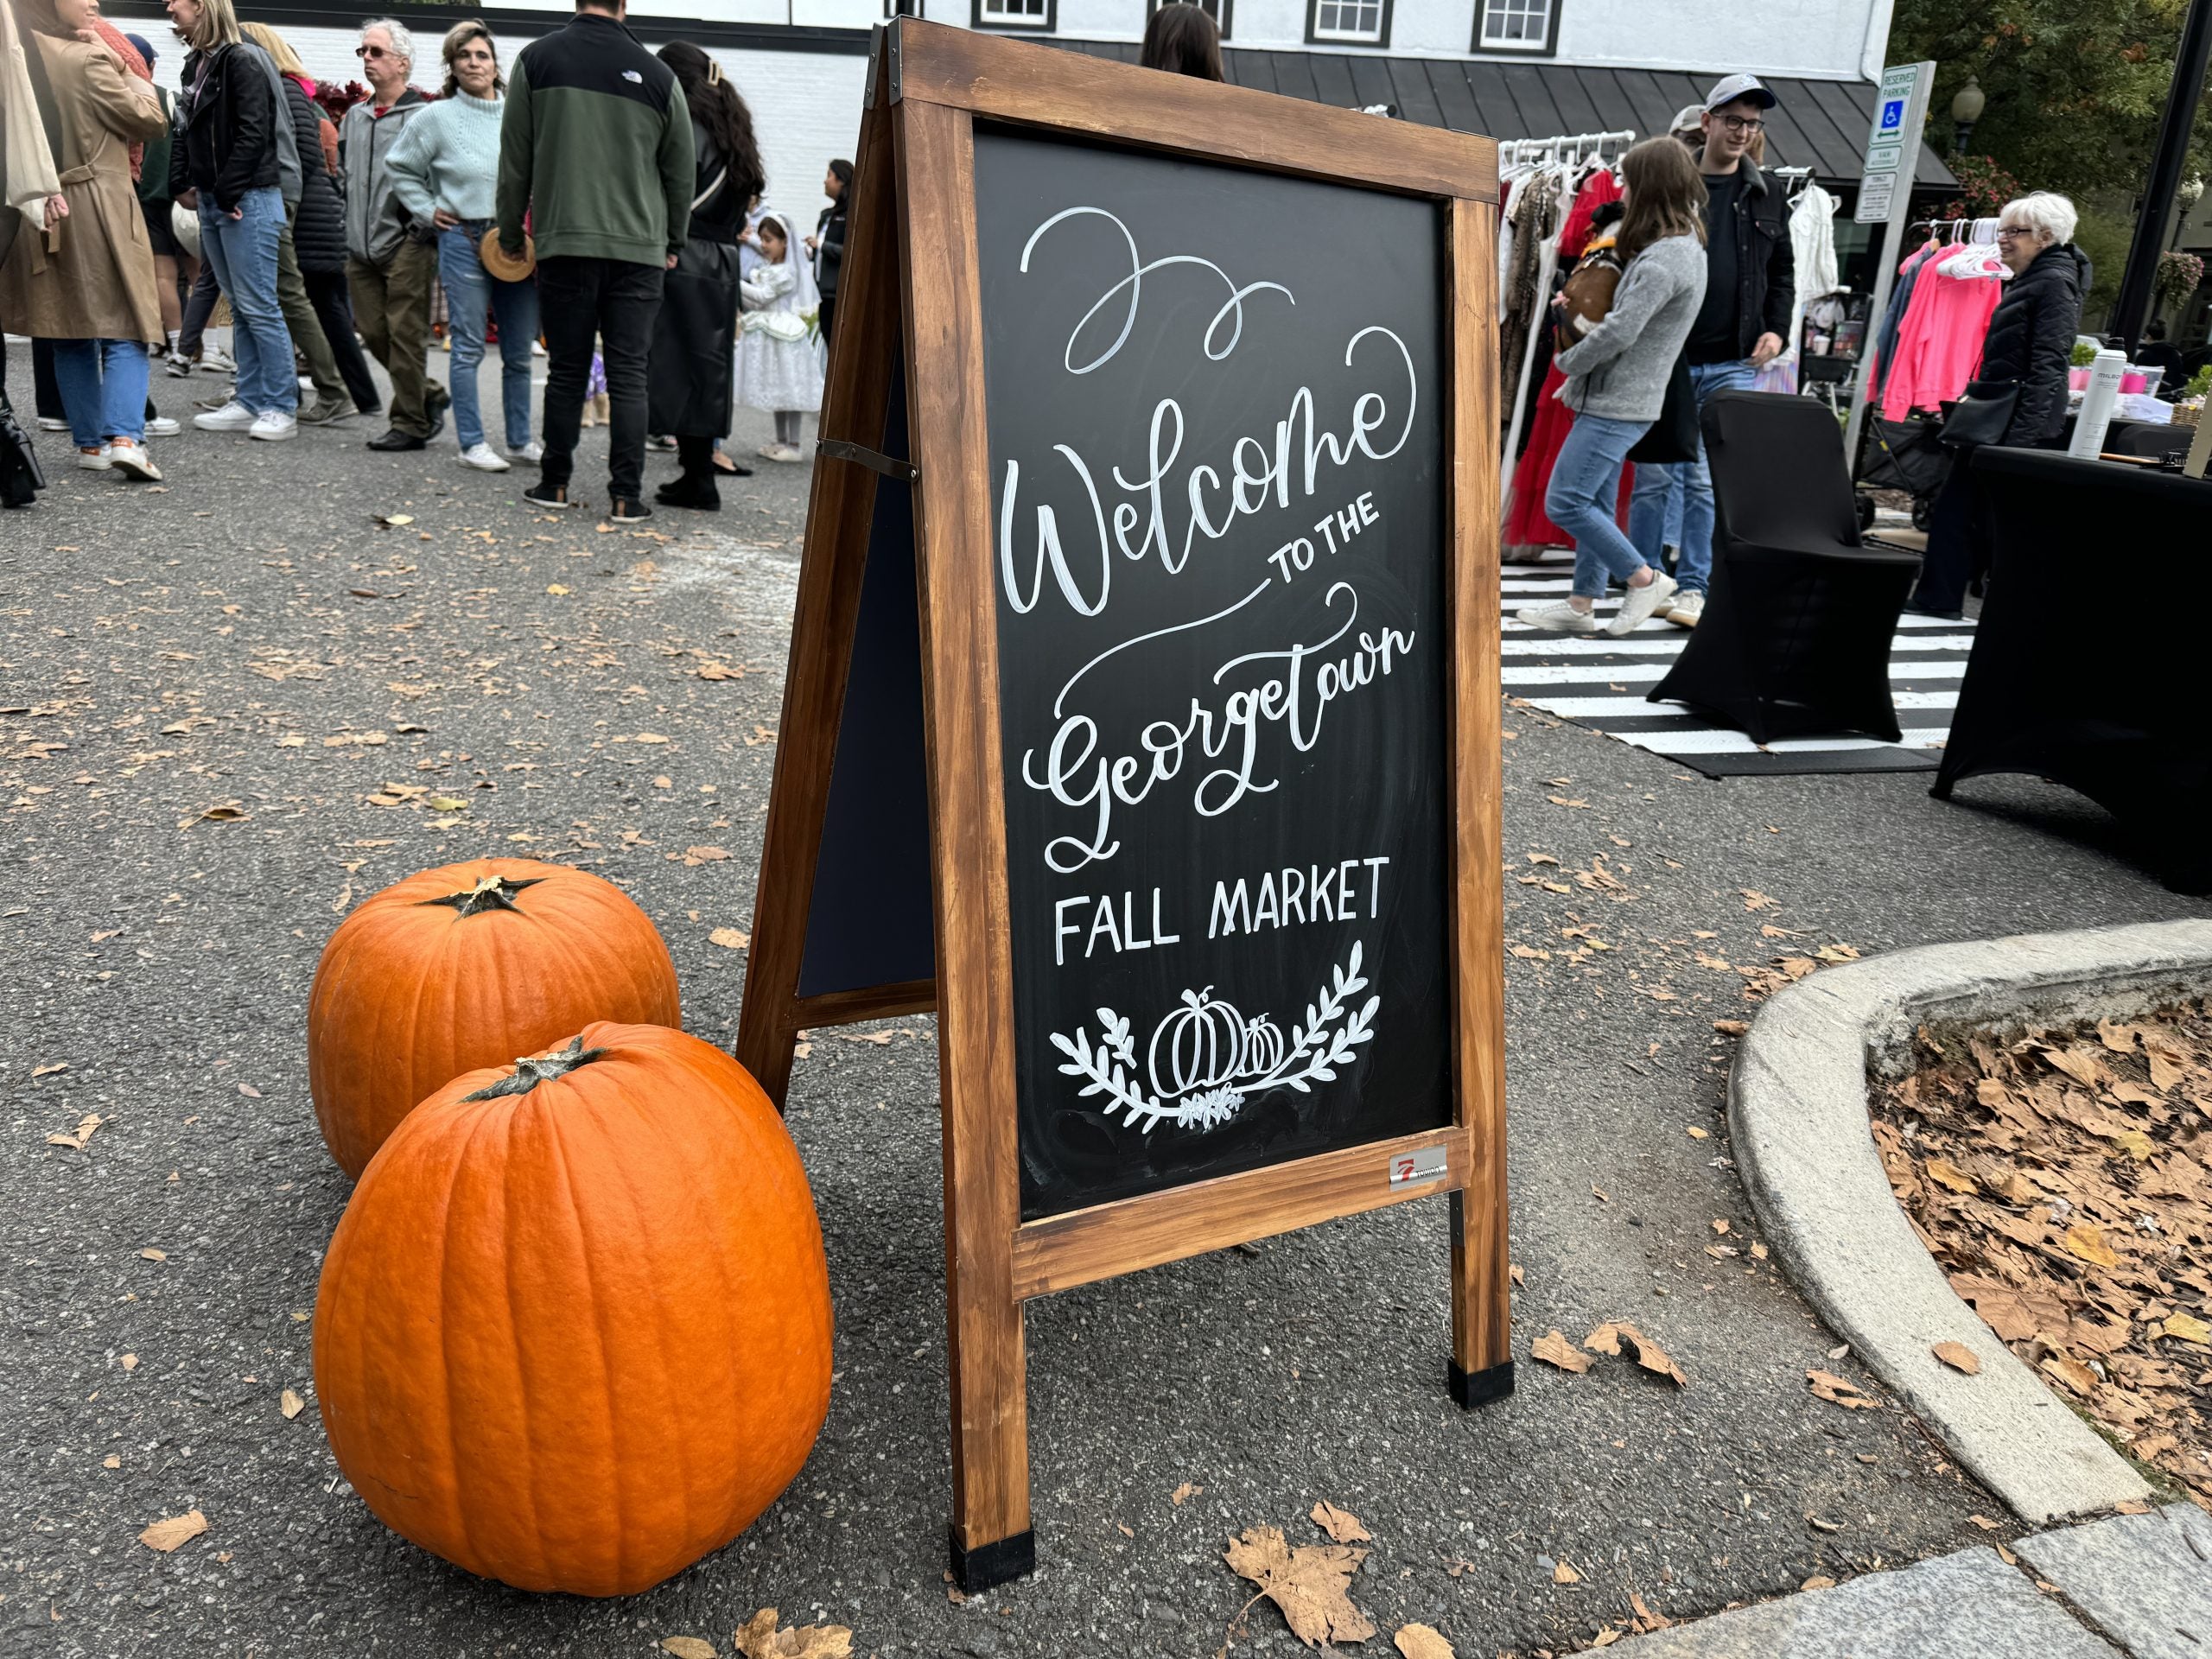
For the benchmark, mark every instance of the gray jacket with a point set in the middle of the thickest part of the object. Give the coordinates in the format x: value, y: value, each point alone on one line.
x: 376, y: 223
x: 1620, y: 370
x: 288, y: 148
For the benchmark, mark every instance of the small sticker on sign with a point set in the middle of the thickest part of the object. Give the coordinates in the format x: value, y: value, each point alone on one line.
x: 1417, y: 1169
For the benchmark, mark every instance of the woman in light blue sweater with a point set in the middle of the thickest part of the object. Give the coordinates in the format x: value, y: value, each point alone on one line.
x: 1617, y: 378
x: 445, y: 169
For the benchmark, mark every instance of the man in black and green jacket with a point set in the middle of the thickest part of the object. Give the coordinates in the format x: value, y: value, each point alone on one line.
x: 595, y: 147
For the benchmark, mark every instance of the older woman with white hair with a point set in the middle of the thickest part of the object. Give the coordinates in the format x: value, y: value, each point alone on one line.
x: 2024, y: 357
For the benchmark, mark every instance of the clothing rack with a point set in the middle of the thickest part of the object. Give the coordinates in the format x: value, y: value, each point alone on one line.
x: 1570, y: 147
x: 1573, y: 147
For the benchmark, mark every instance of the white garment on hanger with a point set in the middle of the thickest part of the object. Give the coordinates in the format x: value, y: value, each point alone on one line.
x: 1812, y: 241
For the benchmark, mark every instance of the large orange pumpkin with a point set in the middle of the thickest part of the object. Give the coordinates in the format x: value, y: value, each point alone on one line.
x: 574, y: 1331
x: 465, y: 966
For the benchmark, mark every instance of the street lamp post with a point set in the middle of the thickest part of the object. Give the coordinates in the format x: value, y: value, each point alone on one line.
x: 1967, y: 105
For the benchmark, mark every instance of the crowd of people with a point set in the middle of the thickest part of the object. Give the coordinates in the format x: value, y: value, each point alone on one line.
x: 1705, y: 292
x: 594, y: 200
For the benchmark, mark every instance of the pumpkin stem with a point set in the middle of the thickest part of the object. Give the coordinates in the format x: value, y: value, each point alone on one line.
x: 493, y: 893
x: 529, y: 1073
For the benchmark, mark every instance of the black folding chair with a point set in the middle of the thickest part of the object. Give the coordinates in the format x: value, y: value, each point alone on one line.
x: 1796, y: 637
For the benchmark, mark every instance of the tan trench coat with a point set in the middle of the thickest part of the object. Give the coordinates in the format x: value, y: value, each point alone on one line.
x: 92, y: 277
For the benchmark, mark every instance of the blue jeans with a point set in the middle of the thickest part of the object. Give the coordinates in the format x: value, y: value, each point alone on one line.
x: 470, y: 291
x: 1584, y: 494
x: 243, y: 250
x: 1647, y: 511
x: 103, y: 389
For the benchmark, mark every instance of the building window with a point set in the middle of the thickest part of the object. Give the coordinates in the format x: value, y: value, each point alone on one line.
x: 1530, y: 26
x: 1218, y: 9
x: 1016, y: 14
x: 1359, y: 23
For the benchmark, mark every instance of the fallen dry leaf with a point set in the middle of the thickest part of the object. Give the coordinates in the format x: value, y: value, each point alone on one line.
x: 1563, y: 1573
x: 1606, y: 1638
x: 1607, y: 1339
x: 760, y: 1639
x: 2072, y: 1372
x: 1342, y: 1525
x: 152, y: 1255
x: 1958, y: 1356
x: 86, y: 1126
x: 1844, y: 1392
x: 1948, y: 1174
x: 2187, y: 1327
x: 128, y: 1362
x: 48, y: 1071
x: 1984, y: 1522
x: 290, y: 1404
x: 1648, y: 1617
x: 1184, y: 1493
x: 1817, y: 1582
x: 2088, y: 1242
x: 689, y: 1647
x: 1310, y: 1585
x: 730, y: 939
x: 1554, y: 1350
x: 1421, y: 1641
x: 166, y: 1536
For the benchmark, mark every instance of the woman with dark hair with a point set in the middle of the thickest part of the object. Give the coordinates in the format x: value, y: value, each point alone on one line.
x: 445, y: 170
x: 827, y: 246
x: 93, y: 296
x: 695, y: 337
x: 1184, y: 39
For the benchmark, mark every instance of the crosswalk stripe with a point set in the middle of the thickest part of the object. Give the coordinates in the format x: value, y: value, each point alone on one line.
x: 1599, y: 707
x: 1591, y: 673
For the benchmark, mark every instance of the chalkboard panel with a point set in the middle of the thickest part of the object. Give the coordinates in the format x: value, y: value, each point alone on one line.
x: 870, y: 921
x: 1217, y: 417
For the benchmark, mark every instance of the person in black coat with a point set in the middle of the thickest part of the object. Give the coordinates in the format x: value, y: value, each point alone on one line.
x: 694, y: 336
x: 2029, y: 345
x: 319, y: 230
x: 826, y: 247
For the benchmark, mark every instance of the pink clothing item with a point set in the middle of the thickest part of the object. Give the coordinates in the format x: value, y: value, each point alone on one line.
x: 1939, y: 343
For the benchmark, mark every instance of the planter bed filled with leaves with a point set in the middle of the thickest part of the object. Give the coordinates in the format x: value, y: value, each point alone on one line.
x: 2063, y: 1179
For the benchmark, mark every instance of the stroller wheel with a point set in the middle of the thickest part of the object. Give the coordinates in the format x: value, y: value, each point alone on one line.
x: 1923, y: 510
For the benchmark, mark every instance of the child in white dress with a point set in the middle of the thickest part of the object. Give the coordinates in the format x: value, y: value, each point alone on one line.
x: 779, y: 365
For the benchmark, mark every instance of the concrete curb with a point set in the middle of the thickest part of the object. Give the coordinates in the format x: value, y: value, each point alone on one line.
x: 1797, y: 1105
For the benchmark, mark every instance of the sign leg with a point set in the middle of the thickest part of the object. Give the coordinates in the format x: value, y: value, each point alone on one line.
x: 1482, y: 1351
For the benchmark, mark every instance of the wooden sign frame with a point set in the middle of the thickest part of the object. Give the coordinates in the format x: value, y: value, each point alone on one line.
x: 909, y: 301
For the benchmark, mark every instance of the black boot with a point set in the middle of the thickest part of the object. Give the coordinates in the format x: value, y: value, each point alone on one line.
x: 688, y: 489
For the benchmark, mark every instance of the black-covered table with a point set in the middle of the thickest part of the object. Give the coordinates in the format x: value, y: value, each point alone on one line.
x: 2056, y: 687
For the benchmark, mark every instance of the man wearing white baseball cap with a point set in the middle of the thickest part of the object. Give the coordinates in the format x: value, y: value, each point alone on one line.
x: 1751, y: 284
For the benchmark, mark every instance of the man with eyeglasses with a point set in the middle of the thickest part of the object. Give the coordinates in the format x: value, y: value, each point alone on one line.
x: 391, y: 260
x: 1750, y: 287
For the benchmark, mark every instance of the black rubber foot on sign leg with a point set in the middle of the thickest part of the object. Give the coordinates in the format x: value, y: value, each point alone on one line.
x: 1472, y: 1389
x: 999, y: 1562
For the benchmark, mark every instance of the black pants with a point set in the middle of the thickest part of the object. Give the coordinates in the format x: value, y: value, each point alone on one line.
x: 334, y: 308
x: 1957, y: 540
x: 615, y: 301
x: 46, y: 385
x: 828, y: 311
x: 199, y: 305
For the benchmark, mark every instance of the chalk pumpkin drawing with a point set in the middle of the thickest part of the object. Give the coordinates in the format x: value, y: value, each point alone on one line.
x: 1214, y: 1058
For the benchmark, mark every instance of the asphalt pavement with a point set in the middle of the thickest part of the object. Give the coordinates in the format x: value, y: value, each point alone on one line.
x: 218, y: 699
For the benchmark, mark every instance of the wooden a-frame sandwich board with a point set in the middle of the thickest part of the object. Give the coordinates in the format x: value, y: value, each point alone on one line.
x: 884, y: 886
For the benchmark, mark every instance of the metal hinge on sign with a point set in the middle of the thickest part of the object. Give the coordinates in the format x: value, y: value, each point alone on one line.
x: 837, y: 450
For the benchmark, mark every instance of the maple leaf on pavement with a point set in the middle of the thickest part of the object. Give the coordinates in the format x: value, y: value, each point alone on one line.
x: 1310, y: 1585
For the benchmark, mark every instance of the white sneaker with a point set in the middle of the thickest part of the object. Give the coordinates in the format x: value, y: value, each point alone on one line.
x: 163, y: 427
x: 132, y: 461
x: 48, y: 423
x: 786, y: 452
x: 482, y: 457
x: 233, y: 416
x: 95, y: 461
x: 275, y: 426
x: 214, y: 360
x: 1688, y: 611
x: 530, y: 455
x: 1558, y: 617
x: 1641, y: 604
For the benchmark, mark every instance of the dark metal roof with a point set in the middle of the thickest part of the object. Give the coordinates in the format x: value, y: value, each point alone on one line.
x: 1821, y: 124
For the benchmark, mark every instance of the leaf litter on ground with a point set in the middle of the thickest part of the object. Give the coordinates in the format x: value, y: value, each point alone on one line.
x: 1310, y: 1585
x: 2063, y: 1179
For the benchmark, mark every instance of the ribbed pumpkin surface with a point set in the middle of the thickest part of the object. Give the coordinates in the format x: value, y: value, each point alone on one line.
x: 424, y: 982
x: 577, y: 1337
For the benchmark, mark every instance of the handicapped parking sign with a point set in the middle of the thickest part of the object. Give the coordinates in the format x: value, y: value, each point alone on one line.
x: 1892, y: 114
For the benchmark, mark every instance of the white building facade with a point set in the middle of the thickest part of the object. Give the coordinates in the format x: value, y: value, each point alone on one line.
x: 1511, y: 69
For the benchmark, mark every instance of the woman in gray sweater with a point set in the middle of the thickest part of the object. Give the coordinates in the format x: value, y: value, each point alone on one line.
x: 1616, y: 378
